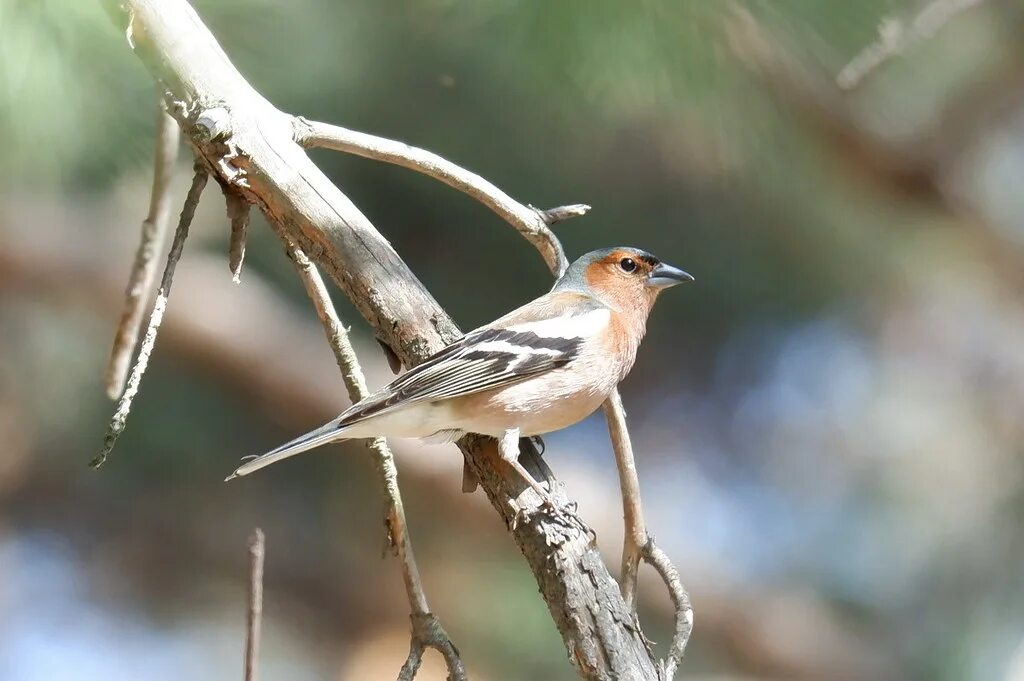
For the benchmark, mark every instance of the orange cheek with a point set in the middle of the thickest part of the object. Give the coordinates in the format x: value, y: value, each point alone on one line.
x: 598, y: 277
x: 628, y: 293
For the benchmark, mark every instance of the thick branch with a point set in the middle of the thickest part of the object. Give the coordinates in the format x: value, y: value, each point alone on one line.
x: 124, y: 405
x: 531, y: 222
x: 143, y: 273
x: 426, y: 629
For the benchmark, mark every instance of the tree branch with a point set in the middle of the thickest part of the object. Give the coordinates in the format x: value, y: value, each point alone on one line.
x: 251, y: 147
x: 531, y: 222
x: 124, y: 405
x: 426, y: 629
x: 254, y: 613
x: 143, y: 272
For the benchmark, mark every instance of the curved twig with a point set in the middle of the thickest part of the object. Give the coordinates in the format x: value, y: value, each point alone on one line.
x: 658, y: 559
x: 639, y: 545
x: 427, y: 631
x: 124, y: 405
x: 532, y: 223
x: 143, y: 272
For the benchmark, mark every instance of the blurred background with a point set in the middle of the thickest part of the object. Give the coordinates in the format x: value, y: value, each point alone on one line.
x: 829, y: 423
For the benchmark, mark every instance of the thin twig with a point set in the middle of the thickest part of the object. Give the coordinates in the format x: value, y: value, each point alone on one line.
x: 639, y: 545
x: 657, y: 558
x: 254, y: 613
x: 531, y: 222
x: 632, y: 508
x: 238, y: 213
x: 124, y: 405
x: 143, y: 272
x: 426, y: 629
x: 895, y: 38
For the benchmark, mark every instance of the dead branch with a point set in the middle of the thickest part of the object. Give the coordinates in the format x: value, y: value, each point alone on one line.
x: 250, y: 145
x: 895, y: 37
x: 143, y: 272
x: 534, y: 225
x: 639, y: 545
x: 124, y: 405
x: 531, y: 222
x: 254, y: 613
x: 426, y: 629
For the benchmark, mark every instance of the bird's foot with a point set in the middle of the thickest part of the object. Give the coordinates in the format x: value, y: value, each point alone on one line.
x: 563, y: 514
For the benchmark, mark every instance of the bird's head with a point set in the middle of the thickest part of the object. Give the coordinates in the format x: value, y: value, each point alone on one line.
x: 622, y: 277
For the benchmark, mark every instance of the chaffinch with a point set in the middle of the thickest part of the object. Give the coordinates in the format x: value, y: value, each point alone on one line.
x: 540, y: 368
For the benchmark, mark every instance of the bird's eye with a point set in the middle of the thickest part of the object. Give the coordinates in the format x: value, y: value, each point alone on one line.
x: 627, y: 264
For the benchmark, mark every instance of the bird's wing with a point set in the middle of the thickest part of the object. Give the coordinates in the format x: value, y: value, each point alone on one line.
x: 538, y: 337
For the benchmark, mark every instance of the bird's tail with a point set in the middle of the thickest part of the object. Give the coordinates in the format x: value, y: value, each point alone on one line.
x: 328, y: 432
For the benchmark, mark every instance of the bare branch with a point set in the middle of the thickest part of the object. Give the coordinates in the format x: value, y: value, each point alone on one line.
x: 143, y: 272
x: 124, y: 405
x: 426, y: 629
x: 534, y: 224
x: 531, y: 222
x: 599, y: 632
x: 639, y: 545
x: 254, y: 613
x: 238, y: 213
x: 895, y: 38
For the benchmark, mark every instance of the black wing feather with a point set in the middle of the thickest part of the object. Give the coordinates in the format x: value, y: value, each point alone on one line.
x: 467, y: 366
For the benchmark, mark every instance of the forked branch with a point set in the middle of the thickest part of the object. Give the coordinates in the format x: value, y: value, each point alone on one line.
x: 639, y: 544
x: 534, y: 224
x: 257, y: 144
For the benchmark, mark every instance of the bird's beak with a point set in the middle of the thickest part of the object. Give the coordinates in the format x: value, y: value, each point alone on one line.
x: 666, y: 276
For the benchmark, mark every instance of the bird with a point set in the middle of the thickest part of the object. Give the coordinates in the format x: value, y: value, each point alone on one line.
x: 540, y: 368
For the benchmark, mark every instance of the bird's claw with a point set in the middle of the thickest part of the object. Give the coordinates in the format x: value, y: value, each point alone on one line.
x: 564, y: 515
x: 538, y: 442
